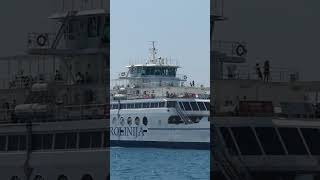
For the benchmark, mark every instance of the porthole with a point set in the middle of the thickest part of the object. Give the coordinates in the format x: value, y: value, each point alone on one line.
x: 87, y: 177
x: 122, y: 121
x: 38, y: 177
x: 129, y: 121
x: 114, y: 120
x: 145, y: 121
x: 62, y: 177
x: 14, y: 178
x: 137, y: 121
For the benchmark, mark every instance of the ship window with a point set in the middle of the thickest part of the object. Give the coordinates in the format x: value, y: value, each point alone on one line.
x: 161, y: 104
x: 146, y: 105
x: 36, y: 141
x: 194, y: 106
x: 65, y: 141
x: 293, y: 141
x: 106, y: 139
x: 13, y: 143
x: 14, y: 178
x: 90, y: 140
x: 71, y: 140
x: 38, y: 177
x: 115, y: 106
x: 22, y: 142
x: 246, y: 141
x: 47, y: 141
x: 171, y: 104
x: 95, y: 139
x: 201, y: 106
x: 181, y: 106
x: 207, y: 104
x: 122, y: 121
x: 154, y: 105
x: 130, y: 106
x: 137, y: 121
x: 3, y: 142
x: 187, y: 106
x: 123, y: 106
x: 145, y: 121
x: 93, y: 26
x: 311, y: 136
x: 174, y: 120
x: 270, y: 141
x: 129, y: 121
x: 137, y: 105
x: 228, y: 141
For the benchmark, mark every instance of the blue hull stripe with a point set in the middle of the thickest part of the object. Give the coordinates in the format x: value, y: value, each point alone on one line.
x: 161, y: 144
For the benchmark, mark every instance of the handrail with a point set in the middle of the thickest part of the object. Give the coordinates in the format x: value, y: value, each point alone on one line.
x: 184, y: 118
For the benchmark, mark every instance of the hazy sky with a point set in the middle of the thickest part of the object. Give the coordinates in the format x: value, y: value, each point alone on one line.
x: 286, y: 32
x: 180, y: 27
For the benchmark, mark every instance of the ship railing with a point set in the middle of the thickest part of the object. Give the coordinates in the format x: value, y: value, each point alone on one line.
x: 62, y: 113
x: 246, y: 72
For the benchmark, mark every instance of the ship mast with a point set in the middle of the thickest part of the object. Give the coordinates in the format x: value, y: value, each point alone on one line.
x: 153, y: 53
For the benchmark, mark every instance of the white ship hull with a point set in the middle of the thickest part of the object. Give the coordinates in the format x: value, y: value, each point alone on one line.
x: 158, y: 132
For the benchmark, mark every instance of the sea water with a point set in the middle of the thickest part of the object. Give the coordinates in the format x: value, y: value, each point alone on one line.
x: 159, y: 164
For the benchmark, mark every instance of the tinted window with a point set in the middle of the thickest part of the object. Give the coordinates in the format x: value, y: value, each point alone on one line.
x: 145, y: 121
x: 207, y: 104
x: 161, y: 104
x: 47, y: 141
x: 187, y: 106
x: 123, y: 106
x: 71, y: 140
x: 201, y: 106
x: 246, y: 141
x: 3, y: 142
x: 84, y: 141
x: 60, y: 141
x: 22, y: 142
x: 95, y: 139
x: 36, y: 141
x: 181, y: 105
x: 171, y: 104
x: 228, y: 140
x: 146, y: 105
x: 292, y: 141
x: 106, y: 139
x: 115, y: 106
x: 137, y: 105
x: 270, y: 141
x: 154, y: 105
x: 194, y: 106
x: 312, y: 136
x: 130, y: 106
x: 13, y: 143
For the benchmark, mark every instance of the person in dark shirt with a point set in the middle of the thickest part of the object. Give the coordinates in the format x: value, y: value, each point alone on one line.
x: 266, y: 72
x: 258, y: 71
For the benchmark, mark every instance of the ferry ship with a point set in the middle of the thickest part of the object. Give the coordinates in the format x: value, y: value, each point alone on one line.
x: 54, y: 104
x: 260, y: 129
x: 152, y: 106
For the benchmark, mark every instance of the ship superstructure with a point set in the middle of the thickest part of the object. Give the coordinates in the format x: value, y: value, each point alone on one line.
x: 154, y: 107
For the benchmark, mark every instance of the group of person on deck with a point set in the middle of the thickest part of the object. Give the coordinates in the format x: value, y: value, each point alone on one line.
x: 266, y: 71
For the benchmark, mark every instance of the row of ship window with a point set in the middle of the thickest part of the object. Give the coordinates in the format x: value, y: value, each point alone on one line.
x: 67, y: 140
x: 130, y: 121
x: 271, y: 141
x: 186, y: 106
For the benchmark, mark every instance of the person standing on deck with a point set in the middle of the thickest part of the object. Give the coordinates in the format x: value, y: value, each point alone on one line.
x: 266, y: 72
x: 258, y: 71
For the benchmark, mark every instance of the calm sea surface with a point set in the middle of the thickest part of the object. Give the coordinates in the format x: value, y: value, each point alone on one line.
x: 159, y: 164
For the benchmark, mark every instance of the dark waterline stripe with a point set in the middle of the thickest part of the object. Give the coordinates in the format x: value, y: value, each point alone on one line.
x: 161, y: 144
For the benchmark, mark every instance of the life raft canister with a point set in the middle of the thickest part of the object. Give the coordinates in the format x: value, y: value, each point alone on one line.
x: 42, y: 40
x: 241, y: 50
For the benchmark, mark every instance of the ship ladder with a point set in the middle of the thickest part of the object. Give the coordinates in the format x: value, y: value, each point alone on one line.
x: 183, y: 117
